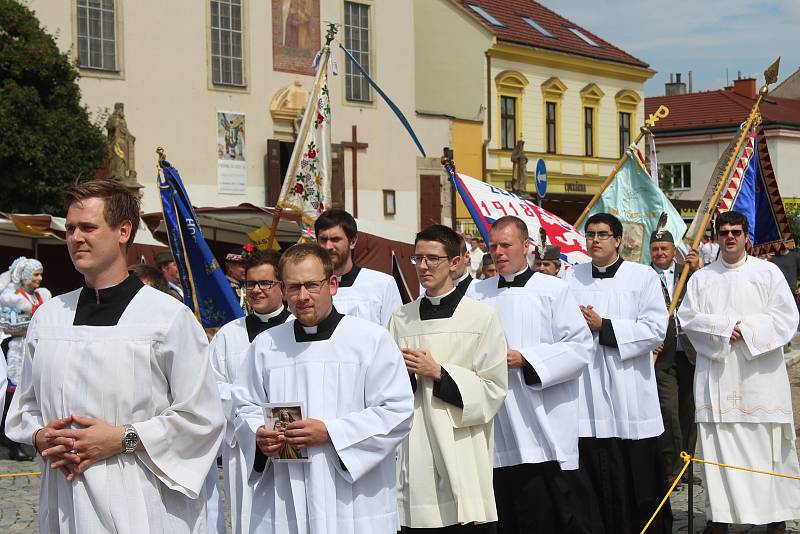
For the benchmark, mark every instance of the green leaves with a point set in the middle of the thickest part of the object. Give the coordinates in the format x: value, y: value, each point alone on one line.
x: 47, y: 140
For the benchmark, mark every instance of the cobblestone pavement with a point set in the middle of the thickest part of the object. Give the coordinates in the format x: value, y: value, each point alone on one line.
x: 19, y: 495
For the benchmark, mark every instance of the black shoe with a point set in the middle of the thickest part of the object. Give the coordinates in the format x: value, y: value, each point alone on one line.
x: 16, y: 453
x: 776, y: 528
x: 715, y: 528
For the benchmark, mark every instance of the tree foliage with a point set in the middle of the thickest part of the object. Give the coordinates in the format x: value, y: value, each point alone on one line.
x: 47, y: 140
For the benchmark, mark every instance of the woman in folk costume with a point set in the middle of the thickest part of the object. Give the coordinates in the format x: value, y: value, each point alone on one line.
x: 20, y: 296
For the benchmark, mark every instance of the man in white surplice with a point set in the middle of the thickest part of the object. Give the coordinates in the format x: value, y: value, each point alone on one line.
x: 228, y: 350
x: 620, y: 417
x: 350, y: 378
x: 739, y: 313
x: 364, y: 293
x: 116, y: 392
x: 537, y: 486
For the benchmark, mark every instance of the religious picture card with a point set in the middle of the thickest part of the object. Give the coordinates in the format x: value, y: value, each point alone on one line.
x: 278, y: 416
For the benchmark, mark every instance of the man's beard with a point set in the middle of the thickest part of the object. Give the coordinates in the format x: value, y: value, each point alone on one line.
x: 341, y: 260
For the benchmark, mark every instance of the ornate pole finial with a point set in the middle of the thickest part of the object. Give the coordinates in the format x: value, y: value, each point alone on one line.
x: 333, y: 27
x: 771, y: 75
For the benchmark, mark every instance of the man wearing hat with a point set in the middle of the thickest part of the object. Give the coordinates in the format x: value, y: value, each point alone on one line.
x: 165, y: 263
x: 235, y: 273
x: 548, y: 260
x: 675, y: 359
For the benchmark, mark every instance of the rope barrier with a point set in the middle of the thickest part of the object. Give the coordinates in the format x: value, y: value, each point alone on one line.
x: 687, y: 459
x: 31, y: 474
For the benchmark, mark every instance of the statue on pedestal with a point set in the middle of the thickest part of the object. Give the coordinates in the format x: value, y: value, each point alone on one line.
x: 121, y: 149
x: 519, y: 163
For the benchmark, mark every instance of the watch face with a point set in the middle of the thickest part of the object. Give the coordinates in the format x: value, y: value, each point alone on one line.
x: 130, y: 440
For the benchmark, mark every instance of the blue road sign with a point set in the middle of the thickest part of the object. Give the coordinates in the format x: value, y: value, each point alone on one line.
x: 541, y: 177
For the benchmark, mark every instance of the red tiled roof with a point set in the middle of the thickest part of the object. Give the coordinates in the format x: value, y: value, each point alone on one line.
x: 515, y: 30
x: 722, y: 108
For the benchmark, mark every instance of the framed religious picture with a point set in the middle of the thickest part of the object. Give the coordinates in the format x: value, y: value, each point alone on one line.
x: 296, y: 35
x: 278, y: 416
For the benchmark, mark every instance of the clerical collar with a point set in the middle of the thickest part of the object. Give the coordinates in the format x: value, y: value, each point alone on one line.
x: 319, y: 332
x: 607, y: 271
x: 438, y: 299
x: 104, y: 307
x: 518, y: 279
x: 440, y: 307
x: 349, y: 278
x: 462, y: 278
x: 734, y: 265
x: 255, y: 323
x: 267, y: 316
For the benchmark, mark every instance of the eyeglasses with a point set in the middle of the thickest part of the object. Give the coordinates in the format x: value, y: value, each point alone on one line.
x: 600, y: 236
x: 734, y: 233
x: 313, y: 286
x: 430, y: 259
x: 265, y: 285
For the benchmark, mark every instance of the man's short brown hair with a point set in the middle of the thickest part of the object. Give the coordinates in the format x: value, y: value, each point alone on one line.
x: 299, y: 252
x: 121, y: 203
x: 258, y: 258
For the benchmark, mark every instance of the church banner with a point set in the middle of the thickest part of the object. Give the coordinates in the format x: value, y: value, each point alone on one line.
x: 638, y: 203
x: 206, y: 290
x: 231, y: 171
x: 487, y: 203
x: 753, y: 191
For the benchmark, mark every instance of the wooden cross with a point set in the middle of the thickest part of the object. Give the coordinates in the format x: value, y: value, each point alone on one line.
x: 354, y: 147
x: 734, y: 398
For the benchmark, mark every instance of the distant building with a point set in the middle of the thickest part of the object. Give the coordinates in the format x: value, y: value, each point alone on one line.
x: 700, y: 125
x: 506, y: 70
x: 178, y: 65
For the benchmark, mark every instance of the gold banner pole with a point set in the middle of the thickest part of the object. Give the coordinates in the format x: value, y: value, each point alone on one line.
x: 661, y: 113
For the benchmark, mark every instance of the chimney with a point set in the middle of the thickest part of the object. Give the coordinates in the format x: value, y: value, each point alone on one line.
x: 675, y: 88
x: 745, y: 87
x: 690, y: 81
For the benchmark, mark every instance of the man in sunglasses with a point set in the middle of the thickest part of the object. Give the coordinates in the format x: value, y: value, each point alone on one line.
x: 228, y: 350
x: 620, y: 417
x: 350, y: 378
x: 739, y: 314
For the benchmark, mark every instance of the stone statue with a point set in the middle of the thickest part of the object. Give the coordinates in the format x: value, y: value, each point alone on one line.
x: 519, y: 161
x: 121, y: 150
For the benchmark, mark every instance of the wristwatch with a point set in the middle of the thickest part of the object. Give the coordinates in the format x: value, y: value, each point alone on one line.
x: 129, y: 438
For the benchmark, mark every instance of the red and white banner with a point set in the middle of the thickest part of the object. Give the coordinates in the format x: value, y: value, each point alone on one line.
x: 487, y: 203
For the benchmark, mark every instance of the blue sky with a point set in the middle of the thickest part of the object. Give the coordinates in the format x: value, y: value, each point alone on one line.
x: 704, y: 36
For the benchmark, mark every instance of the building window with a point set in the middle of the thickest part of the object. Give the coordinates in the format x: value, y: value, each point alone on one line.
x: 356, y: 40
x: 508, y: 121
x: 389, y: 207
x: 588, y: 130
x: 680, y: 174
x: 624, y: 132
x: 97, y: 35
x: 227, y: 55
x: 550, y: 124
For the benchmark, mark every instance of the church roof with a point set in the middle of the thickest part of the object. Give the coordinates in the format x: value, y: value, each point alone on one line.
x: 529, y: 23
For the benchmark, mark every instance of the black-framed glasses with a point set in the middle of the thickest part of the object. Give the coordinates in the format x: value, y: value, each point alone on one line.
x: 600, y: 236
x: 265, y: 285
x: 430, y: 259
x: 735, y: 233
x: 312, y: 286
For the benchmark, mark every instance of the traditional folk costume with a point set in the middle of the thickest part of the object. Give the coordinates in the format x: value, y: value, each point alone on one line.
x: 228, y: 351
x: 742, y: 395
x: 620, y: 418
x: 350, y: 374
x: 368, y: 294
x: 536, y: 430
x: 128, y: 354
x: 445, y: 464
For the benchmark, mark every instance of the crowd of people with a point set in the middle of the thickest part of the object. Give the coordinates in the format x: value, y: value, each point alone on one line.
x: 514, y: 396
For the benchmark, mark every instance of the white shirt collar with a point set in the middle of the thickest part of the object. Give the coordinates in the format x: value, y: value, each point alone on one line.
x: 510, y: 277
x: 605, y: 267
x: 437, y: 299
x: 733, y: 265
x: 264, y: 317
x: 463, y: 277
x: 310, y: 329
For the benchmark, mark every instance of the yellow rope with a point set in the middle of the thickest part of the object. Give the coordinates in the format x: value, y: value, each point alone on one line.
x: 686, y: 459
x: 32, y: 474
